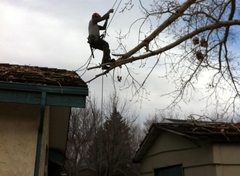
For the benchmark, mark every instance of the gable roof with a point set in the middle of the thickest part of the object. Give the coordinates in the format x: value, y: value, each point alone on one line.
x: 192, y: 130
x: 39, y: 75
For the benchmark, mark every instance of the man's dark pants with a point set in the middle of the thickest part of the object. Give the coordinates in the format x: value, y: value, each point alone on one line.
x: 103, y: 46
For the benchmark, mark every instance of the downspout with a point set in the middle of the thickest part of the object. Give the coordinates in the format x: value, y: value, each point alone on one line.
x: 40, y: 133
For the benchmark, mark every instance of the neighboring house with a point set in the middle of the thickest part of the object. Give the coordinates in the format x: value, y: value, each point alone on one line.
x: 181, y: 148
x: 35, y: 106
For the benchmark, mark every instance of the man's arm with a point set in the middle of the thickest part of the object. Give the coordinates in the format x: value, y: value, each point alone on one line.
x: 104, y: 17
x: 104, y: 26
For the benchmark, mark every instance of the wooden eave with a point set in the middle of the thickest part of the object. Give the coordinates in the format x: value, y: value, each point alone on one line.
x: 31, y: 94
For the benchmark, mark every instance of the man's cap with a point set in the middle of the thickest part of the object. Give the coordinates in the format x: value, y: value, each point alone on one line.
x: 96, y: 15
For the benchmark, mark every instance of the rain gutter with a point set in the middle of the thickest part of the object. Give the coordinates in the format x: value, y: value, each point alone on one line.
x: 40, y: 133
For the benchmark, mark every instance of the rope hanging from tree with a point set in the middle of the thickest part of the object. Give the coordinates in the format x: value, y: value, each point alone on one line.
x: 105, y: 31
x: 104, y: 35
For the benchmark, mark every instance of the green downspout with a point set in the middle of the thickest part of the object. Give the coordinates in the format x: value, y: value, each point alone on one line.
x: 40, y: 133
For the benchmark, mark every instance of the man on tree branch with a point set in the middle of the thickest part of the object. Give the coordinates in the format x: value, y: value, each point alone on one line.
x: 95, y: 40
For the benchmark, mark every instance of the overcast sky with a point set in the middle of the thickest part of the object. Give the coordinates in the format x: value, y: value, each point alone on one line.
x: 53, y: 33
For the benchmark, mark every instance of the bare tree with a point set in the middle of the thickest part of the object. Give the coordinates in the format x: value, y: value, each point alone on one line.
x: 159, y: 117
x: 102, y: 140
x: 82, y: 126
x: 188, y: 40
x: 149, y: 121
x: 115, y: 144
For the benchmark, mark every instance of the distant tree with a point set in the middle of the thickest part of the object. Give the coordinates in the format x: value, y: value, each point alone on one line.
x: 102, y: 141
x: 158, y: 118
x: 148, y: 123
x: 82, y: 126
x: 137, y: 136
x: 112, y: 150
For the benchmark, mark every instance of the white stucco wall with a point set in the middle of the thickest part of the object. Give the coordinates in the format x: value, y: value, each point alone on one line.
x: 18, y: 138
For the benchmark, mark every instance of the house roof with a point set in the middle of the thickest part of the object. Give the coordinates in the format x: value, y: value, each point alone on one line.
x: 25, y: 84
x: 215, y: 132
x: 192, y: 130
x: 39, y: 75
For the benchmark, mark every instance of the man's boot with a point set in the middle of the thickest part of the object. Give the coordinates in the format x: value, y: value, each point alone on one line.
x: 105, y: 67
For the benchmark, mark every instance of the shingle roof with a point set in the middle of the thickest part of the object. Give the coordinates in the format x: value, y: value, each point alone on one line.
x: 40, y: 75
x: 215, y: 132
x: 192, y: 130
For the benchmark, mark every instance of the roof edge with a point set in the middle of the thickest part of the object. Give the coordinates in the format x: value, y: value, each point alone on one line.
x: 46, y: 88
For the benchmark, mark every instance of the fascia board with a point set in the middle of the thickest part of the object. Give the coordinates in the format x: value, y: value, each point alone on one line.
x: 44, y: 88
x: 31, y: 94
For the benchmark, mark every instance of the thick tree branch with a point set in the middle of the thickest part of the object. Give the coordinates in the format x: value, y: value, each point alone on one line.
x: 124, y: 59
x: 172, y: 18
x: 182, y: 39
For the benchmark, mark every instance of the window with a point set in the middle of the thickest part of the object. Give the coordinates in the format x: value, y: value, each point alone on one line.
x: 169, y: 171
